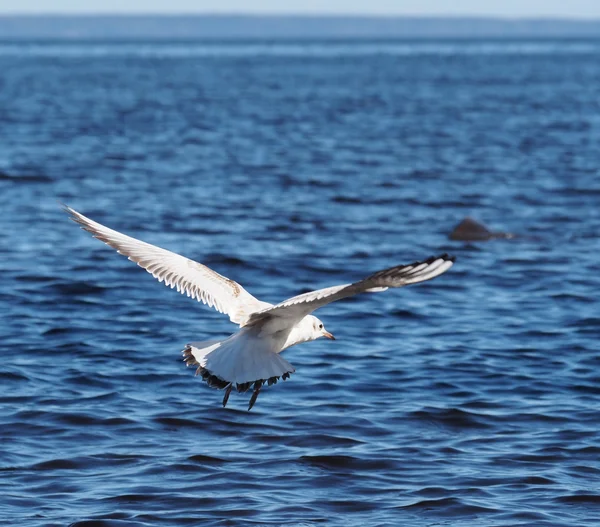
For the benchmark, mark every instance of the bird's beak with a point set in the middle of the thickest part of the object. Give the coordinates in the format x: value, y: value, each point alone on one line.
x: 328, y: 335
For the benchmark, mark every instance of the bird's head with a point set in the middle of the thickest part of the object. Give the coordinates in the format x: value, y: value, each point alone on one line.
x: 318, y: 329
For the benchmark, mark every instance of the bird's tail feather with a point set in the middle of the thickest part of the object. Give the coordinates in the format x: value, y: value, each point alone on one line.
x: 239, y: 361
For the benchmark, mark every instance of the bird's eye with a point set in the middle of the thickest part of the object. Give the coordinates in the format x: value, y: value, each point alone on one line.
x: 320, y: 326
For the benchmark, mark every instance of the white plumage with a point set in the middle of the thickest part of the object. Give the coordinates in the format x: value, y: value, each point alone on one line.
x: 251, y: 356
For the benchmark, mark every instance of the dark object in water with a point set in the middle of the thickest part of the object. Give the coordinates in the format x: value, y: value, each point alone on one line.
x: 469, y: 230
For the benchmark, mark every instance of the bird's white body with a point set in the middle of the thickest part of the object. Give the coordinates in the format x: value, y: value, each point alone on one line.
x: 234, y: 363
x: 252, y: 355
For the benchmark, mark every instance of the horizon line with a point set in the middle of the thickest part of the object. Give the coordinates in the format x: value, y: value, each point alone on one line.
x: 247, y: 14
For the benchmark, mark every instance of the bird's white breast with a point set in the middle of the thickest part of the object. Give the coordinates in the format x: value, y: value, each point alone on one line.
x: 285, y: 332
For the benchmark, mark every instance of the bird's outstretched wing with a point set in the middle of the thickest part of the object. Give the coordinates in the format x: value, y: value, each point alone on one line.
x: 399, y: 276
x: 187, y: 276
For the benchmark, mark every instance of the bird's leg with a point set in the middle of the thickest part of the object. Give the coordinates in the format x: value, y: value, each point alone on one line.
x: 227, y: 392
x: 257, y: 387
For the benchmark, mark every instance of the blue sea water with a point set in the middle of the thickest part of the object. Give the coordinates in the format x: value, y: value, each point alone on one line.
x: 470, y: 400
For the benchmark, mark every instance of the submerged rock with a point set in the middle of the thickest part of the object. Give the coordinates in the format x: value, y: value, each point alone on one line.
x: 469, y: 230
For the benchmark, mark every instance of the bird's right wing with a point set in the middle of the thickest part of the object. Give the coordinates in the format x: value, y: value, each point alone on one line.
x: 189, y: 277
x: 299, y: 306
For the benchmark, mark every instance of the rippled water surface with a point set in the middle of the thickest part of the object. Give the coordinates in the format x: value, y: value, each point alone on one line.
x: 470, y: 400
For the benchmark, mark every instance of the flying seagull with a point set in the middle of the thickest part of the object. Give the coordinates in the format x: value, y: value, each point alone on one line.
x: 251, y: 356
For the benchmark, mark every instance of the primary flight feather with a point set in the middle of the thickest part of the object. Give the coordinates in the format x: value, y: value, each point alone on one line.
x: 251, y: 356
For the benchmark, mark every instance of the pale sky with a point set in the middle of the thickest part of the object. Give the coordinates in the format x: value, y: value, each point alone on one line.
x: 504, y: 8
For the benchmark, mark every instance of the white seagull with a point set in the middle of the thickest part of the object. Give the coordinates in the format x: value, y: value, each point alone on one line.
x: 250, y: 357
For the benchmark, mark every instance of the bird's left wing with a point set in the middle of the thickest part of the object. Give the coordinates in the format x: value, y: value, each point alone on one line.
x: 299, y: 306
x: 189, y: 277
